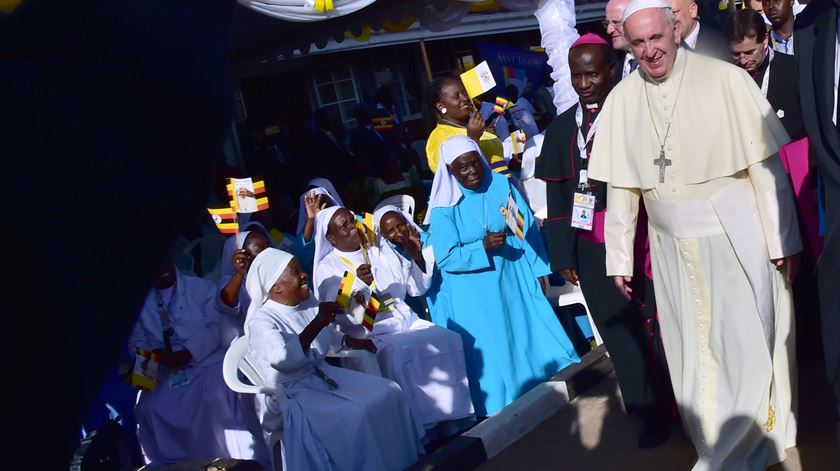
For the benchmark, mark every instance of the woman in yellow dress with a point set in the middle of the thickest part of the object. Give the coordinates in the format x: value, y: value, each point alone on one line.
x: 456, y: 116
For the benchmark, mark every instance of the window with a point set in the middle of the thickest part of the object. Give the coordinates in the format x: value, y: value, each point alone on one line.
x: 335, y: 88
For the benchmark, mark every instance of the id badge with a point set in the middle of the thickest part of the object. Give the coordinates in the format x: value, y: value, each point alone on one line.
x: 583, y: 211
x: 177, y: 379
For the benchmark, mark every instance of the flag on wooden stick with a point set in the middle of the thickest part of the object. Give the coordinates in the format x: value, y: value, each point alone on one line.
x: 478, y: 80
x: 225, y: 219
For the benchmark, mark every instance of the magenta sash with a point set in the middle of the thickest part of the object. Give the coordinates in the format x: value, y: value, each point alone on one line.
x: 795, y: 161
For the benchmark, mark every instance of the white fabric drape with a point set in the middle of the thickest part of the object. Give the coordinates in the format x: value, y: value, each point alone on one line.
x: 557, y: 27
x: 302, y: 11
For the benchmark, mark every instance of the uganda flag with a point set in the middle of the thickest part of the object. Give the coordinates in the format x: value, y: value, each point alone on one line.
x: 345, y: 290
x: 383, y: 123
x: 501, y: 105
x: 225, y: 219
x: 499, y: 165
x: 371, y: 310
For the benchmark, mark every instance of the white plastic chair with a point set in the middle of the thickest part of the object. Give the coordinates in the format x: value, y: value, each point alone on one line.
x: 236, y: 360
x: 404, y: 202
x: 568, y: 295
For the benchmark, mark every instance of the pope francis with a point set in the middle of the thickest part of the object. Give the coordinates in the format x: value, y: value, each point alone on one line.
x: 695, y: 138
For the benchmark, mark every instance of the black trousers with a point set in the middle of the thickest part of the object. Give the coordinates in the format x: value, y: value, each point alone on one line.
x: 630, y: 333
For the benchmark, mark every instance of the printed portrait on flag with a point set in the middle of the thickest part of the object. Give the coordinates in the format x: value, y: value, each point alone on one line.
x: 243, y: 191
x: 247, y: 195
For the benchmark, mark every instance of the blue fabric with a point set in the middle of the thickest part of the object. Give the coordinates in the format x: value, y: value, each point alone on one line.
x: 304, y: 252
x: 512, y: 338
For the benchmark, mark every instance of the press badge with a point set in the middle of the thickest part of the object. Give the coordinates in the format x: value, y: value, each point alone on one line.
x: 583, y: 211
x: 176, y: 379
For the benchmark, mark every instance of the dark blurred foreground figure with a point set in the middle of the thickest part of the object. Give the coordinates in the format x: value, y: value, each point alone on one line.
x: 112, y: 112
x: 816, y: 58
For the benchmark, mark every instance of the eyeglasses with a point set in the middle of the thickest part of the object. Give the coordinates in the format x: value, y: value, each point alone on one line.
x: 615, y: 23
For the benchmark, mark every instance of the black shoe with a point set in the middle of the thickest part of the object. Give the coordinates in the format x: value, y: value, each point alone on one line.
x: 651, y: 436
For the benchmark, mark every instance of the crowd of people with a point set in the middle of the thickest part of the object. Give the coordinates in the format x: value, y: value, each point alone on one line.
x: 680, y: 194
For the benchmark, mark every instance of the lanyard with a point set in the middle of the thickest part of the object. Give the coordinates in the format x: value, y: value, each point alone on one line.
x: 354, y: 267
x: 765, y: 82
x: 165, y: 321
x: 583, y: 143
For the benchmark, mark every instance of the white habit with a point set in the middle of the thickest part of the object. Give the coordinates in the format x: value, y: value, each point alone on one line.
x: 426, y: 360
x: 723, y: 211
x: 201, y: 419
x: 364, y: 423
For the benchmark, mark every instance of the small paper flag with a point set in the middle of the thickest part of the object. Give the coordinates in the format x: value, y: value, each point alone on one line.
x: 364, y: 224
x: 499, y: 165
x: 345, y: 290
x: 225, y: 219
x: 514, y: 218
x: 384, y: 123
x: 144, y: 373
x: 255, y: 199
x: 478, y: 80
x: 501, y: 105
x: 371, y: 310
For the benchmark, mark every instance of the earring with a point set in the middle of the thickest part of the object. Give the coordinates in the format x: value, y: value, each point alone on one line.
x: 443, y: 111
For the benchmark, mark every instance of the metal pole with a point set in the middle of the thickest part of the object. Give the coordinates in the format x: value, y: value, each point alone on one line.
x: 426, y: 65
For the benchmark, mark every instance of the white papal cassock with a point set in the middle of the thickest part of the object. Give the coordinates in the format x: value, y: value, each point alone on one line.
x: 723, y: 210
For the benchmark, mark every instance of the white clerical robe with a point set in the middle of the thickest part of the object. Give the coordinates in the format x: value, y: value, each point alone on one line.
x: 201, y: 419
x: 363, y: 423
x: 426, y: 360
x: 723, y: 210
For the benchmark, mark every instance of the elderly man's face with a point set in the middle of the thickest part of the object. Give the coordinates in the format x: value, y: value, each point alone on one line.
x: 685, y: 12
x: 614, y: 14
x: 653, y: 41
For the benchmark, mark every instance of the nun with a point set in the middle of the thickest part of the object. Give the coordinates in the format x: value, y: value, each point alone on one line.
x: 490, y: 292
x: 332, y: 418
x: 426, y: 360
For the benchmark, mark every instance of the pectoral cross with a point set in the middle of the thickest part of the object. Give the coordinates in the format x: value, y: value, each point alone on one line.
x: 662, y: 162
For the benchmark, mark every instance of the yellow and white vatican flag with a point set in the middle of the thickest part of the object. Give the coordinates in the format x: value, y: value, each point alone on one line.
x: 478, y: 80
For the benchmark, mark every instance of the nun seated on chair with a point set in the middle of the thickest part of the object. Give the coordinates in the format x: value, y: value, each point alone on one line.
x: 332, y: 418
x: 426, y: 360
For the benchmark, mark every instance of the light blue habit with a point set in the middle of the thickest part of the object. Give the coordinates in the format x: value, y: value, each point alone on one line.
x: 512, y: 338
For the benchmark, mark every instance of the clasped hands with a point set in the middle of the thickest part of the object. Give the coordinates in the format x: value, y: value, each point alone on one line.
x: 327, y: 311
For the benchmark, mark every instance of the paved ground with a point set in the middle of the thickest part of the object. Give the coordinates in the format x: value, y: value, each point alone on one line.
x: 595, y: 434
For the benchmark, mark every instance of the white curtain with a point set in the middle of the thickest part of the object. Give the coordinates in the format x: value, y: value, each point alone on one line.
x: 304, y: 10
x: 557, y: 26
x: 446, y: 19
x: 431, y: 19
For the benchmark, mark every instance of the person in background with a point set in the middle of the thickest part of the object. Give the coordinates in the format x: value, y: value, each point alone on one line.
x: 695, y: 35
x: 577, y: 250
x: 435, y: 384
x: 370, y: 149
x: 191, y: 414
x: 490, y: 280
x: 455, y: 116
x: 318, y: 197
x: 780, y: 14
x: 522, y: 112
x: 331, y: 418
x: 544, y: 101
x: 238, y: 253
x: 817, y: 59
x: 330, y: 157
x: 614, y: 25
